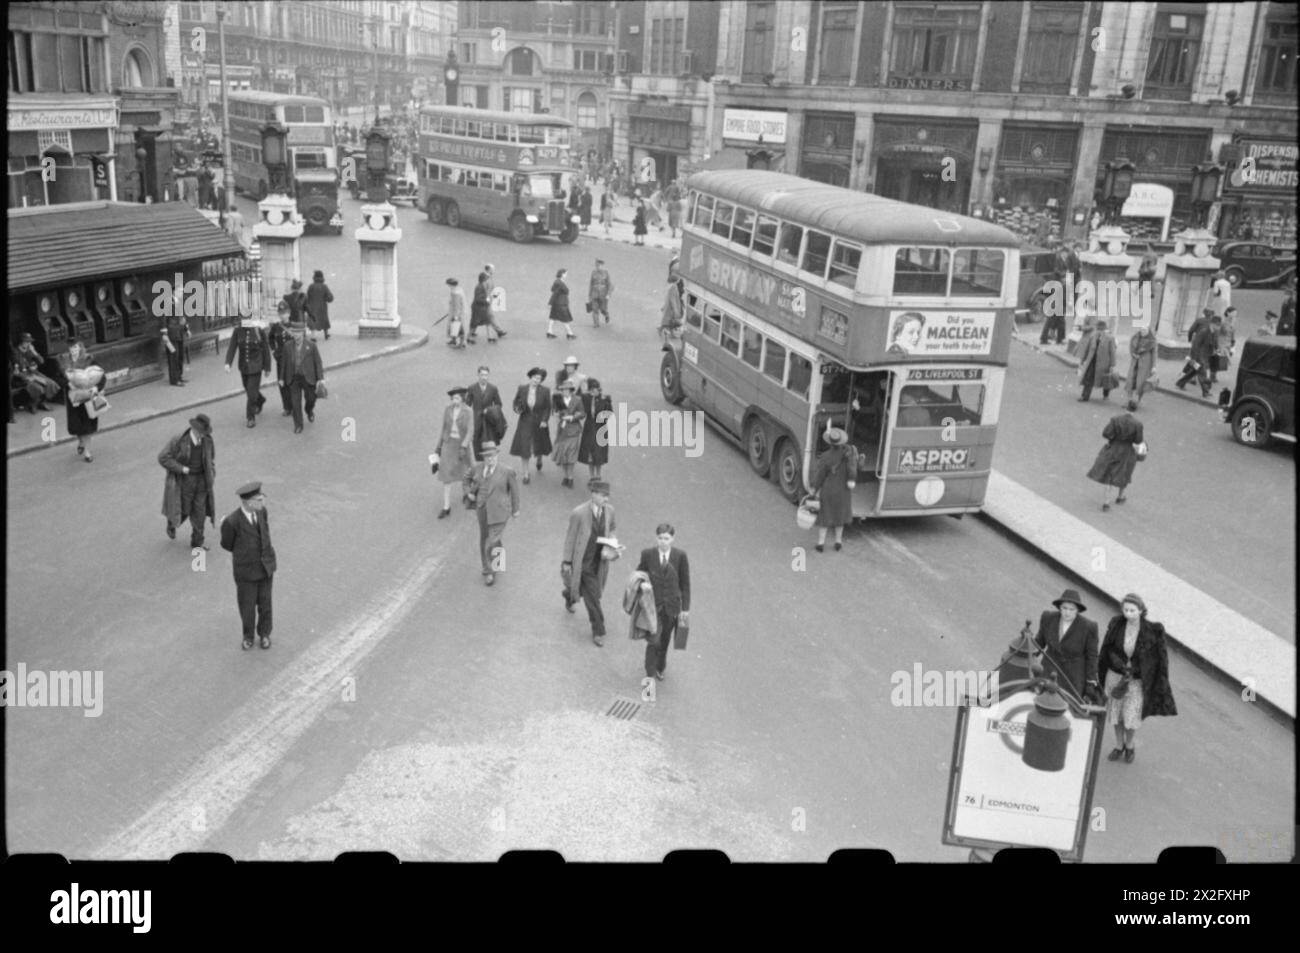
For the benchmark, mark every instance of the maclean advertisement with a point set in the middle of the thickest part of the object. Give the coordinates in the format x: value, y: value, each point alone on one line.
x: 940, y: 333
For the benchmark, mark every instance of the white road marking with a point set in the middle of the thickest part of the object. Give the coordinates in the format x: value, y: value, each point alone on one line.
x: 264, y: 729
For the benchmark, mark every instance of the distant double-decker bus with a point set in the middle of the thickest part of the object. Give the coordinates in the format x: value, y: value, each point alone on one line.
x: 506, y: 172
x: 310, y: 140
x: 809, y: 305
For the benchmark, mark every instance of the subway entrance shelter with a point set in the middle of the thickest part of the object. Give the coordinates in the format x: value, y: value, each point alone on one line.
x: 88, y: 270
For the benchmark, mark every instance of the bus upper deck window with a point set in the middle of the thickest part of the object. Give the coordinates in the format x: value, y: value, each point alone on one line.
x: 293, y: 114
x: 314, y: 113
x: 844, y: 264
x: 722, y: 219
x: 765, y: 235
x: 921, y: 271
x: 791, y: 241
x: 977, y: 272
x: 704, y: 212
x: 817, y: 251
x: 742, y: 230
x: 474, y: 129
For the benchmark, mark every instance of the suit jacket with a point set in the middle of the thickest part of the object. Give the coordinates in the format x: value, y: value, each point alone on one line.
x: 310, y: 366
x: 497, y: 497
x: 672, y: 584
x: 478, y: 398
x: 252, y: 555
x: 254, y: 350
x: 576, y: 539
x: 1074, y: 657
x: 464, y: 423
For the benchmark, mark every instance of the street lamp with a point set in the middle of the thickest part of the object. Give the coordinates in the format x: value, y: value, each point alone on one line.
x: 275, y: 158
x: 1116, y: 188
x: 378, y: 155
x: 451, y: 76
x: 228, y: 167
x: 1205, y: 191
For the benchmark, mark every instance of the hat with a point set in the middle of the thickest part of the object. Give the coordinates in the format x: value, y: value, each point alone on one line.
x: 836, y: 437
x: 318, y: 276
x: 571, y: 360
x: 598, y: 486
x: 1134, y: 598
x: 593, y: 384
x: 201, y: 422
x: 249, y: 490
x: 600, y: 261
x: 457, y: 390
x: 297, y: 325
x: 296, y: 285
x: 567, y: 384
x: 1070, y: 595
x: 535, y: 371
x: 489, y: 446
x: 452, y: 281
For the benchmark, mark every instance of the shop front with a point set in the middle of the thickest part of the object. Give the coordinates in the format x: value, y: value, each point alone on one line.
x: 826, y: 154
x: 925, y: 161
x: 751, y: 139
x: 1032, y: 180
x: 659, y: 140
x: 1159, y: 157
x: 1259, y: 192
x: 55, y: 145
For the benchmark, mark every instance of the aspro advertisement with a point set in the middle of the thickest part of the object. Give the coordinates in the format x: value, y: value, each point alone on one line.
x: 940, y: 333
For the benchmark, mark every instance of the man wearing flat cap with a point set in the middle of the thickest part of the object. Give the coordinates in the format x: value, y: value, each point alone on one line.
x: 301, y: 369
x: 190, y: 461
x: 494, y: 488
x: 582, y: 565
x: 246, y: 535
x: 1070, y: 646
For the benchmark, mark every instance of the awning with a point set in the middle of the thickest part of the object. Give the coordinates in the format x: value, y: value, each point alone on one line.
x: 60, y: 244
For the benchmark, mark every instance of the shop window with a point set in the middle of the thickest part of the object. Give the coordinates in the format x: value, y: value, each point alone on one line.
x: 1052, y: 38
x: 722, y: 220
x: 791, y: 242
x: 844, y: 265
x: 1175, y: 50
x: 765, y: 235
x: 835, y: 57
x: 742, y: 231
x: 774, y: 361
x: 816, y: 253
x: 800, y: 377
x: 730, y: 334
x: 1277, y: 60
x: 977, y: 272
x: 921, y: 271
x: 752, y: 349
x: 586, y: 117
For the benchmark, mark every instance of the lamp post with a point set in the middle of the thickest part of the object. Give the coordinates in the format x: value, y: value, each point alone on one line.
x: 228, y: 172
x: 275, y: 158
x: 378, y: 156
x: 1205, y: 192
x: 451, y: 76
x: 1116, y: 188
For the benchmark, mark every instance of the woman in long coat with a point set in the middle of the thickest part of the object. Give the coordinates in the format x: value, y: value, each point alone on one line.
x: 455, y: 445
x: 560, y: 306
x: 1114, y: 464
x: 1134, y: 667
x: 594, y: 449
x: 833, y: 479
x: 639, y: 222
x: 1142, y: 361
x: 76, y: 366
x: 532, y: 435
x: 480, y: 309
x: 584, y: 208
x: 319, y: 297
x: 1096, y: 359
x: 568, y: 436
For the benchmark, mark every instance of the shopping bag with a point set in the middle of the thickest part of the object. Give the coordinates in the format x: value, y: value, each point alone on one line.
x: 680, y: 635
x: 1141, y: 449
x: 321, y: 392
x: 96, y: 406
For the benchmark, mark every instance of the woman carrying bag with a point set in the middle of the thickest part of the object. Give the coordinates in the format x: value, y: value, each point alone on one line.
x: 455, y: 453
x: 1134, y: 668
x: 834, y: 477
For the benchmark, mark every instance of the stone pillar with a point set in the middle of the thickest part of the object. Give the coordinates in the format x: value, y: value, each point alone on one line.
x: 378, y: 236
x: 1187, y: 278
x: 278, y: 228
x: 1105, y: 261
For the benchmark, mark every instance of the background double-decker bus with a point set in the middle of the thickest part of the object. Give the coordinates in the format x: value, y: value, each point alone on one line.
x: 506, y: 172
x: 313, y: 159
x: 808, y: 305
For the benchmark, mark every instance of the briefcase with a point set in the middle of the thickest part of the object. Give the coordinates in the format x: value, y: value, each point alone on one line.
x: 680, y: 635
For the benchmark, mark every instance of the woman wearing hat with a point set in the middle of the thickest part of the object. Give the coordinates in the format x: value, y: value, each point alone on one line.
x: 297, y: 302
x: 833, y: 479
x: 319, y: 297
x: 455, y: 446
x: 480, y: 310
x: 533, y: 405
x: 1134, y: 663
x: 560, y: 306
x: 1115, y: 461
x: 593, y: 450
x: 1069, y: 642
x: 568, y: 437
x: 83, y: 381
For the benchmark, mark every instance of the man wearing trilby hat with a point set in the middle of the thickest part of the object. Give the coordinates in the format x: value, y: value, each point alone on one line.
x: 494, y: 489
x: 246, y: 535
x: 301, y: 369
x: 584, y: 566
x: 1070, y: 645
x: 190, y: 462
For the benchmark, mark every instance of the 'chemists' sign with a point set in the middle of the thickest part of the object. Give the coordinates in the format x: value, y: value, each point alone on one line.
x: 1264, y: 165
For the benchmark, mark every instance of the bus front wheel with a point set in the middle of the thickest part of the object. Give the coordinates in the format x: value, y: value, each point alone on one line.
x: 570, y: 233
x: 521, y: 230
x: 758, y: 446
x: 453, y: 215
x: 670, y: 382
x: 434, y: 211
x: 789, y: 470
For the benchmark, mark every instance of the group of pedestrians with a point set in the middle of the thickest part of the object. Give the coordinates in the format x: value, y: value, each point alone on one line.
x: 299, y: 369
x: 480, y: 311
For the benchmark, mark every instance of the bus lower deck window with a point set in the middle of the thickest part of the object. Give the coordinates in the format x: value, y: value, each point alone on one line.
x: 774, y: 361
x: 752, y: 352
x: 730, y: 334
x: 800, y: 376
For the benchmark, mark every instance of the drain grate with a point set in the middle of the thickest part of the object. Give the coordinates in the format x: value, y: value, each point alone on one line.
x: 624, y: 709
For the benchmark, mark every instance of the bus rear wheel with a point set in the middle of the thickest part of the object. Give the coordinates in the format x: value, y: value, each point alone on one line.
x: 570, y: 233
x: 434, y: 211
x: 453, y: 215
x: 789, y: 470
x: 670, y: 382
x: 521, y: 230
x: 758, y: 446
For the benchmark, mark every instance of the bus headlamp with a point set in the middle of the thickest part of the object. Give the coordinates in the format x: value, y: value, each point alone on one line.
x: 530, y: 219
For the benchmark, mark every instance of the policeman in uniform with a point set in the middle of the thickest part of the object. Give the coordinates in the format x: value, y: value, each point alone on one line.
x: 254, y: 349
x: 246, y: 535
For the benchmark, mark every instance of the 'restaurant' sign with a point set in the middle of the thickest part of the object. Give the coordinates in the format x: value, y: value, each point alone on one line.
x: 747, y: 125
x: 80, y: 118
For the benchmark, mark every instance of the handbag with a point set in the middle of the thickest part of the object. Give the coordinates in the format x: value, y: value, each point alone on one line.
x: 1121, y: 688
x: 435, y: 461
x: 1141, y: 449
x: 806, y: 516
x: 96, y: 406
x: 321, y: 392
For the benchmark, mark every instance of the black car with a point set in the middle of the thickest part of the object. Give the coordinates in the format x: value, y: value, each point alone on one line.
x: 1261, y: 408
x: 1254, y: 263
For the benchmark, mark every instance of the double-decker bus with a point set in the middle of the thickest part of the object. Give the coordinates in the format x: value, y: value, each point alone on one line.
x: 809, y: 305
x: 507, y: 172
x: 313, y: 161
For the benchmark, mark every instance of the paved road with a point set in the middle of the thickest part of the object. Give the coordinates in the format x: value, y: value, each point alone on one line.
x: 406, y: 706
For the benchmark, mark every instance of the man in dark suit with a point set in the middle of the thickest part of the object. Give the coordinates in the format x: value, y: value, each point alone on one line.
x: 190, y: 461
x: 583, y: 566
x: 254, y: 349
x: 279, y: 336
x: 495, y: 491
x: 300, y: 370
x: 670, y: 577
x: 246, y: 535
x: 481, y: 395
x: 1070, y: 645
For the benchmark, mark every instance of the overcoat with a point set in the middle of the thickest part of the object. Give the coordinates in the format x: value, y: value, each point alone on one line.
x: 319, y: 297
x: 1114, y: 464
x: 592, y: 451
x: 639, y: 604
x: 830, y: 478
x: 170, y: 460
x: 568, y: 435
x: 252, y: 557
x: 560, y: 302
x: 1150, y: 663
x: 1099, y: 345
x: 1075, y: 655
x: 575, y: 545
x: 532, y: 433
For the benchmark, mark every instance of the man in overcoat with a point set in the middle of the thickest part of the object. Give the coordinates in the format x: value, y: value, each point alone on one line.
x: 582, y: 566
x: 481, y: 395
x: 190, y: 462
x: 495, y: 491
x: 252, y: 345
x: 670, y: 576
x: 246, y: 535
x: 300, y: 371
x: 1070, y: 646
x: 1198, y: 364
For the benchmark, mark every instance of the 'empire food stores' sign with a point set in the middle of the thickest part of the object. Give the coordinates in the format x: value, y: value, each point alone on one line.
x: 747, y: 125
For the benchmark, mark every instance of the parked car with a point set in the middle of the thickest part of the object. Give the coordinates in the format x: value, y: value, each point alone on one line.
x: 1037, y: 267
x: 1261, y: 408
x: 1254, y: 263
